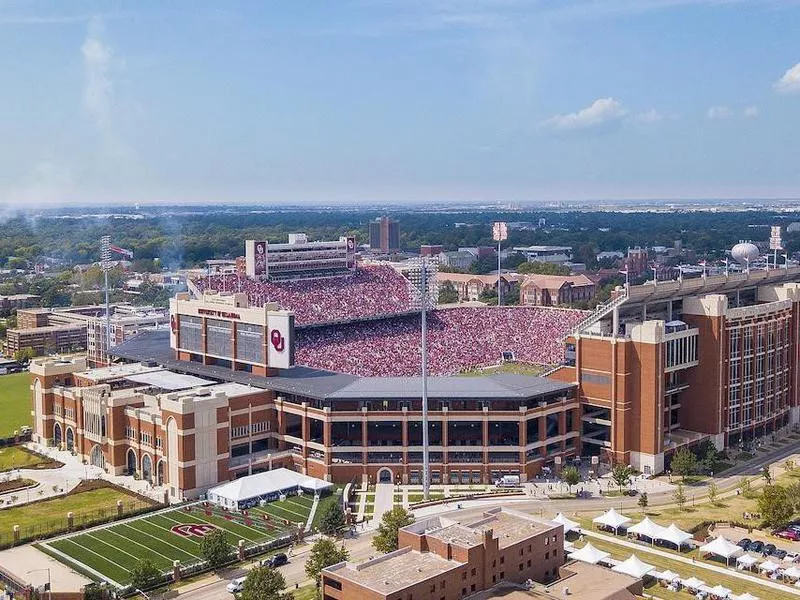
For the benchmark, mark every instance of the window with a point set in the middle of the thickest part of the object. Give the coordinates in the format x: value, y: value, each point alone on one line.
x: 191, y: 334
x: 547, y: 555
x: 250, y: 343
x: 502, y: 560
x: 472, y: 588
x: 159, y: 443
x: 147, y: 438
x: 521, y: 566
x: 130, y: 432
x: 58, y: 410
x: 463, y: 591
x: 473, y: 572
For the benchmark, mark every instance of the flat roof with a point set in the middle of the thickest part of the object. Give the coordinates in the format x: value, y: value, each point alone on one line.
x: 167, y: 380
x: 396, y: 571
x: 118, y: 371
x: 327, y: 385
x: 542, y: 248
x: 509, y: 527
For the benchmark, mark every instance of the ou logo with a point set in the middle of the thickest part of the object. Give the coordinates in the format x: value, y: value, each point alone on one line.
x: 277, y: 340
x: 193, y: 529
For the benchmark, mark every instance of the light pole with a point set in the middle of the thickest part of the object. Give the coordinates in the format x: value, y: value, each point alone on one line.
x: 785, y: 261
x: 423, y: 279
x: 499, y: 233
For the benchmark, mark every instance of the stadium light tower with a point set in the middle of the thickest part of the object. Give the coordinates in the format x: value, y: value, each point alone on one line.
x: 105, y: 263
x: 499, y: 233
x: 423, y: 279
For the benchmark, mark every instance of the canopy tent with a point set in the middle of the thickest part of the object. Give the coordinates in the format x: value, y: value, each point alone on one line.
x: 248, y: 491
x: 745, y: 596
x: 589, y: 554
x: 719, y: 546
x: 633, y: 567
x: 720, y: 591
x: 568, y: 525
x: 611, y: 518
x: 665, y: 575
x: 648, y: 529
x: 674, y: 535
x: 693, y: 583
x: 768, y: 566
x: 792, y: 572
x: 746, y: 561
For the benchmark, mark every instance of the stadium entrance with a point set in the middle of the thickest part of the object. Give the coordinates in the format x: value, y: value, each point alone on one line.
x: 385, y: 476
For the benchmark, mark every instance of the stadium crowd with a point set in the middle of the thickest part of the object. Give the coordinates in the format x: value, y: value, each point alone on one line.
x: 367, y: 292
x: 458, y: 339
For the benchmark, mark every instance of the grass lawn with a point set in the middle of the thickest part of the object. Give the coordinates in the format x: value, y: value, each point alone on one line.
x: 114, y: 551
x: 307, y: 592
x: 511, y: 368
x: 685, y: 570
x: 333, y: 498
x: 15, y: 457
x: 15, y: 403
x: 49, y: 517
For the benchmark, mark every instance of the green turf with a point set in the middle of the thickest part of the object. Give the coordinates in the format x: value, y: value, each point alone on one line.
x: 15, y: 403
x: 115, y: 550
x: 15, y: 457
x: 333, y: 498
x: 49, y: 517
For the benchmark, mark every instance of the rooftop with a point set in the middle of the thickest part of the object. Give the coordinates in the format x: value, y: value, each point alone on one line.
x: 118, y: 371
x: 395, y: 571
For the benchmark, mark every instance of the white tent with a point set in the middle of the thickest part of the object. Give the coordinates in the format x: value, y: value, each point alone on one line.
x: 633, y: 567
x: 792, y: 572
x: 568, y: 524
x: 746, y: 596
x: 665, y: 575
x: 745, y: 561
x: 589, y: 554
x: 611, y: 518
x: 268, y: 485
x: 648, y: 528
x: 693, y: 583
x: 768, y: 566
x: 720, y: 591
x: 719, y: 546
x: 674, y: 535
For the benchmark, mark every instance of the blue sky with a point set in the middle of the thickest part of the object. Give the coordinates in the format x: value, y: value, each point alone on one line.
x: 397, y: 100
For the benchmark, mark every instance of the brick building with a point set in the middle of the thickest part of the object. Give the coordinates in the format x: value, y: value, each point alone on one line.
x: 555, y: 290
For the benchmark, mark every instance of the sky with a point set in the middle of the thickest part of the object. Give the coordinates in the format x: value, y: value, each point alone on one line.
x: 370, y: 101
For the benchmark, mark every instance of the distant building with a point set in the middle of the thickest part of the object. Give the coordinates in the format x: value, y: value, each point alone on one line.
x: 43, y: 340
x: 441, y: 558
x: 480, y: 251
x: 609, y: 255
x: 470, y: 287
x: 431, y: 249
x: 555, y: 290
x: 636, y: 261
x: 549, y: 254
x: 459, y: 260
x: 298, y: 258
x: 17, y: 301
x: 384, y: 234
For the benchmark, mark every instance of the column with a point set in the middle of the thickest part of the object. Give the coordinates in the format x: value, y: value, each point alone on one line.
x: 543, y: 435
x: 523, y: 438
x: 485, y: 444
x: 364, y: 438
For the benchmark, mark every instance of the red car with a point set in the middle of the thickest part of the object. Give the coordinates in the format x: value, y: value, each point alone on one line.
x: 788, y: 534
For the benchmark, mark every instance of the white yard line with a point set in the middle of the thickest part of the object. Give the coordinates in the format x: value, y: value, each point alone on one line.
x: 133, y: 541
x: 159, y: 540
x: 68, y: 560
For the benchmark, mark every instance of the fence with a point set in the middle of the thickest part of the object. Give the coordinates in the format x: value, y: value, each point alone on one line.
x: 45, y: 528
x: 15, y: 440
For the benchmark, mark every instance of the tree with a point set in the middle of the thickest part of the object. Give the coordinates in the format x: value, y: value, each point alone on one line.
x: 767, y: 475
x: 386, y: 538
x: 324, y: 553
x: 643, y: 501
x: 775, y: 506
x: 570, y: 476
x: 621, y: 475
x: 96, y: 591
x: 24, y: 355
x: 542, y: 268
x: 744, y: 486
x: 215, y: 548
x: 145, y: 574
x: 264, y: 583
x: 713, y: 492
x: 447, y: 293
x: 679, y: 496
x: 332, y: 521
x: 793, y: 494
x: 683, y: 463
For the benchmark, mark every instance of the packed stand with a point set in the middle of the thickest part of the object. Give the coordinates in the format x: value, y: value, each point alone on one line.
x: 367, y: 292
x: 458, y: 339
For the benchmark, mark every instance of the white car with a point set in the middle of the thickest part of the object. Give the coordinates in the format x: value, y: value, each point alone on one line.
x: 235, y: 586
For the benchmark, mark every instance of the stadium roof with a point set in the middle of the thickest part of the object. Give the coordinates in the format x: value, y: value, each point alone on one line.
x: 153, y: 345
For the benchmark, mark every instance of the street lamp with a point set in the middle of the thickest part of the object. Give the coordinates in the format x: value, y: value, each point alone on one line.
x: 423, y: 279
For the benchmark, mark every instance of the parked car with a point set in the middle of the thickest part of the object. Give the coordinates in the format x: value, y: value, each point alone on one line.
x: 235, y: 586
x: 768, y: 549
x: 275, y: 561
x: 756, y: 546
x: 788, y: 534
x: 792, y: 556
x: 778, y: 553
x: 744, y: 543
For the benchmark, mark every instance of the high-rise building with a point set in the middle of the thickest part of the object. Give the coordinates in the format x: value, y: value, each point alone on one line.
x: 384, y: 234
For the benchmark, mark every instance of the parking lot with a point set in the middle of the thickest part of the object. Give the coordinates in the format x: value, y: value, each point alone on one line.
x: 736, y: 534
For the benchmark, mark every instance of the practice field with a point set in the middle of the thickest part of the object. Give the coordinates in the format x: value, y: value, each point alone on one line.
x: 15, y: 403
x: 111, y: 552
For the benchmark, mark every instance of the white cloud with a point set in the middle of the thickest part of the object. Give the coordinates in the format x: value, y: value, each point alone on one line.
x: 750, y: 112
x: 790, y: 82
x: 98, y: 90
x: 718, y: 113
x: 650, y: 116
x: 602, y: 111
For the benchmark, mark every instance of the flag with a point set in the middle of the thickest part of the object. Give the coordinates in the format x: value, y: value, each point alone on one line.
x: 123, y: 251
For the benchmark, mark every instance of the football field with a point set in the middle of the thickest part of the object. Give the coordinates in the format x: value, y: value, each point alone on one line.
x: 111, y: 552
